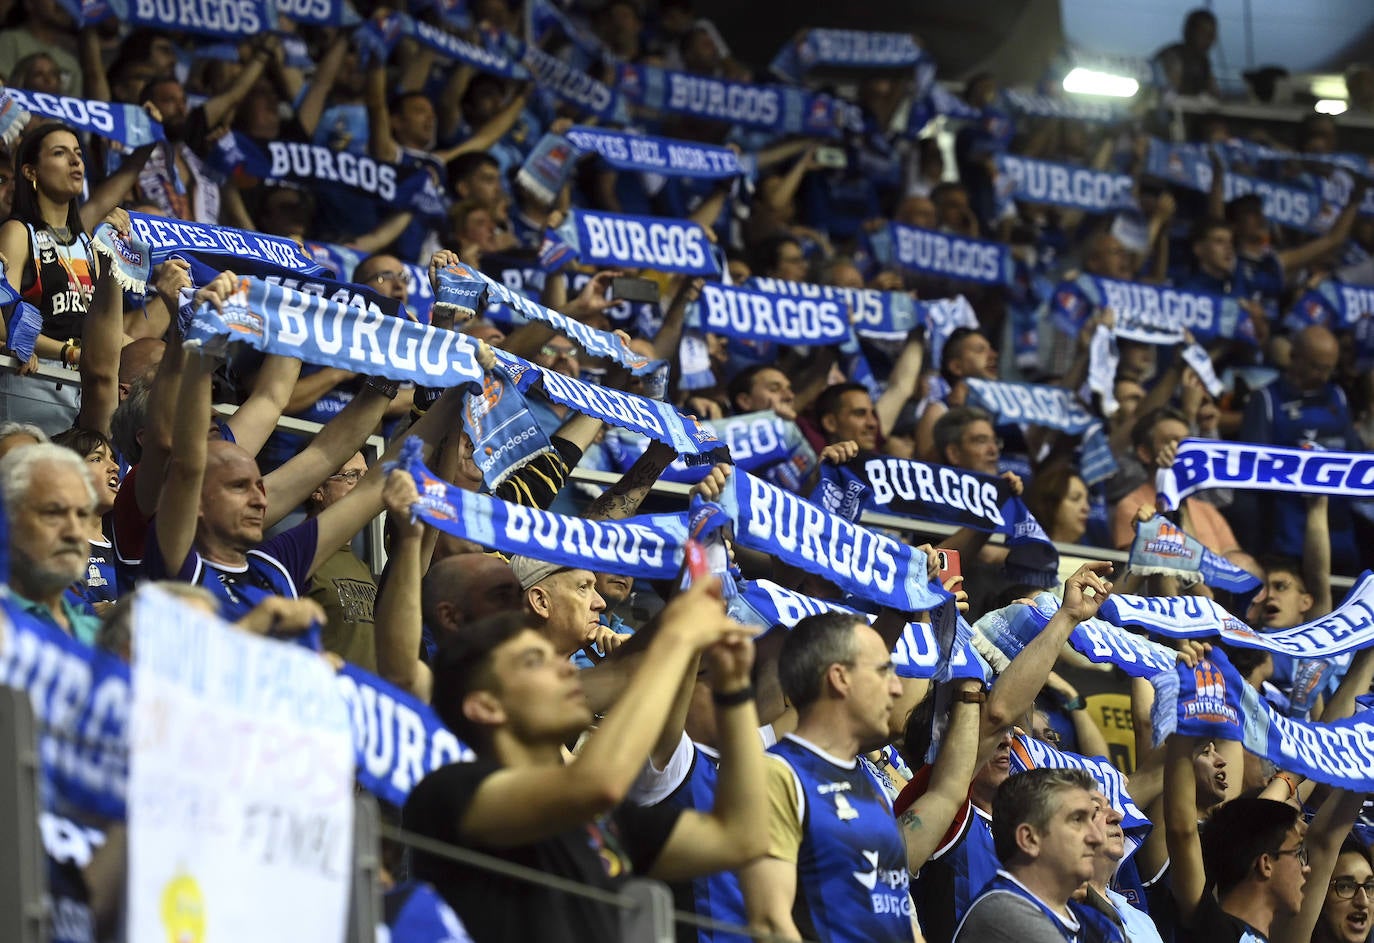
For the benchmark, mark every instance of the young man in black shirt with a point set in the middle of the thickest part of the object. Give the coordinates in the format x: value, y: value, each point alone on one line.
x: 502, y: 688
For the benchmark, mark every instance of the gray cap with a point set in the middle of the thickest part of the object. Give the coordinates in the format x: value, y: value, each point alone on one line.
x: 530, y: 571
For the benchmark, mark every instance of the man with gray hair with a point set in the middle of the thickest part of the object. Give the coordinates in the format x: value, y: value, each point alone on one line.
x: 49, y: 502
x: 1046, y: 835
x: 562, y: 601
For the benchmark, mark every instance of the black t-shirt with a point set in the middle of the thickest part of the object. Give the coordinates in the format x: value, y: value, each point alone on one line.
x: 497, y: 909
x: 1215, y: 925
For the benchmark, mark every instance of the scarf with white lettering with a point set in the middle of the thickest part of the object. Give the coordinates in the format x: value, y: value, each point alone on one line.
x: 168, y: 236
x: 1096, y: 639
x: 314, y: 164
x: 1163, y: 549
x: 1036, y: 404
x: 280, y: 320
x: 568, y: 84
x: 845, y: 48
x: 460, y: 287
x: 227, y: 19
x: 1201, y: 464
x: 505, y: 435
x: 649, y: 546
x: 81, y: 700
x: 1056, y: 184
x: 929, y: 252
x: 778, y: 108
x: 879, y: 314
x: 760, y: 443
x: 1333, y: 304
x: 943, y: 494
x: 756, y: 315
x: 864, y: 562
x: 1212, y: 700
x: 1028, y: 753
x: 1349, y: 628
x: 545, y: 17
x: 127, y: 124
x: 653, y: 418
x: 618, y: 240
x: 1036, y: 105
x: 129, y: 260
x: 1150, y: 313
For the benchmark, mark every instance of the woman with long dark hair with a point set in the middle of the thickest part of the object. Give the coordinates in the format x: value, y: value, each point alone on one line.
x: 50, y: 262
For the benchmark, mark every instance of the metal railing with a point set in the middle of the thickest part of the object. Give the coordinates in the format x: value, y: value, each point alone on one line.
x: 23, y: 877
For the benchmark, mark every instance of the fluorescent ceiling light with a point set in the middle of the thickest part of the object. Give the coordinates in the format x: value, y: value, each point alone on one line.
x: 1331, y: 106
x: 1329, y: 86
x: 1091, y: 82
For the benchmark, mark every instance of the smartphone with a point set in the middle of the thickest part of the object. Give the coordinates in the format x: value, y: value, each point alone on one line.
x: 949, y: 564
x: 697, y: 567
x: 628, y: 288
x: 832, y: 157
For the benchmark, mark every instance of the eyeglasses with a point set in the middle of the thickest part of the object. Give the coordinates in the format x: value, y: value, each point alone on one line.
x: 1048, y: 735
x: 548, y: 350
x: 1299, y: 852
x: 393, y: 277
x: 1345, y: 889
x: 352, y: 476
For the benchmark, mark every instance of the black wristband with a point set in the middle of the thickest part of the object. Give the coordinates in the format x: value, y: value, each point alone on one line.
x: 734, y: 698
x: 1075, y: 703
x: 425, y: 397
x: 388, y: 388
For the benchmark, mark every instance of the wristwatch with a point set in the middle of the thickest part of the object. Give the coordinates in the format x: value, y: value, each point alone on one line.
x: 972, y: 697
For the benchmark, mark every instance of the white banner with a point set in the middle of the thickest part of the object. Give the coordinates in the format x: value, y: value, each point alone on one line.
x: 240, y: 785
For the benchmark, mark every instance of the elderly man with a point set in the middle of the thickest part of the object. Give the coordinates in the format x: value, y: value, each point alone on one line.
x: 562, y: 603
x: 49, y: 501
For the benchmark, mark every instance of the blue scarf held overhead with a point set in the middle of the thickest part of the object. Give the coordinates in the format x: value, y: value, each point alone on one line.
x: 616, y: 240
x: 760, y: 442
x: 1212, y: 700
x: 481, y: 58
x: 846, y: 48
x: 571, y: 85
x: 642, y: 153
x: 756, y: 315
x: 648, y: 546
x: 884, y: 314
x: 167, y: 236
x: 1078, y: 188
x: 653, y: 418
x: 228, y: 19
x: 505, y: 435
x: 928, y: 252
x: 1201, y: 464
x: 127, y: 124
x: 1333, y: 304
x: 128, y: 260
x: 1163, y: 549
x: 1052, y: 407
x: 1348, y: 628
x: 1096, y: 639
x: 545, y: 17
x: 866, y: 563
x: 280, y: 320
x: 1162, y: 310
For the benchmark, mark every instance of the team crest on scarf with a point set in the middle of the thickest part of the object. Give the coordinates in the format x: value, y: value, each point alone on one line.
x: 1209, y: 703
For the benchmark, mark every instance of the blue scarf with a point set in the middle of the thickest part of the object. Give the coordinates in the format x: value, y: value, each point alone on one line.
x: 505, y: 435
x: 1035, y: 105
x: 127, y: 124
x: 653, y: 418
x: 24, y: 326
x: 461, y: 287
x: 1160, y: 548
x: 8, y: 295
x: 546, y: 170
x: 883, y: 314
x: 866, y: 563
x: 1097, y: 640
x: 280, y: 320
x: 928, y: 252
x: 129, y: 261
x: 1028, y: 753
x: 314, y: 165
x: 82, y: 698
x: 452, y: 47
x: 755, y: 315
x: 669, y: 157
x: 1052, y: 407
x: 1186, y: 165
x: 1079, y: 188
x: 318, y: 12
x: 205, y: 266
x: 571, y: 85
x: 1333, y: 304
x: 1212, y: 700
x: 845, y: 48
x: 1349, y: 628
x: 167, y: 236
x: 229, y: 19
x: 759, y: 442
x: 649, y: 546
x: 1210, y: 463
x: 617, y: 240
x: 778, y: 108
x: 1154, y: 308
x: 545, y: 18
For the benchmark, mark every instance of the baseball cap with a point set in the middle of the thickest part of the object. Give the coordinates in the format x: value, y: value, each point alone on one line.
x: 530, y: 571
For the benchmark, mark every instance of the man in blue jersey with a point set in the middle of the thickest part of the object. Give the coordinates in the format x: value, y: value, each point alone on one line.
x: 208, y: 528
x: 836, y: 868
x: 1047, y: 839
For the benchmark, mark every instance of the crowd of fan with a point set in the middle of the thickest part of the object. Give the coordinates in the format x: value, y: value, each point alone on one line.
x: 124, y: 474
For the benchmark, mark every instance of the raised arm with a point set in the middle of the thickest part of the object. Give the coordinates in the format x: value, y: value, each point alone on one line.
x: 1298, y: 257
x: 930, y: 815
x: 669, y: 336
x: 379, y: 140
x: 312, y: 105
x: 901, y: 384
x: 622, y: 499
x: 1316, y: 556
x: 398, y: 616
x: 254, y: 422
x: 220, y: 107
x: 1330, y: 826
x: 1187, y: 879
x: 102, y: 336
x: 517, y: 807
x: 493, y: 131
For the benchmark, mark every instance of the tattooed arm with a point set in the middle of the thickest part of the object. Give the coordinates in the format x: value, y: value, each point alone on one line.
x: 623, y: 498
x: 926, y: 821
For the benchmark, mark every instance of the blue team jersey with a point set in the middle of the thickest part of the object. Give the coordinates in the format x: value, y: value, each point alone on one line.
x: 955, y: 874
x: 852, y: 879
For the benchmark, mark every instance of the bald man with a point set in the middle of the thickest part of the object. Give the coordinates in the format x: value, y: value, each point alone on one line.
x: 1303, y: 408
